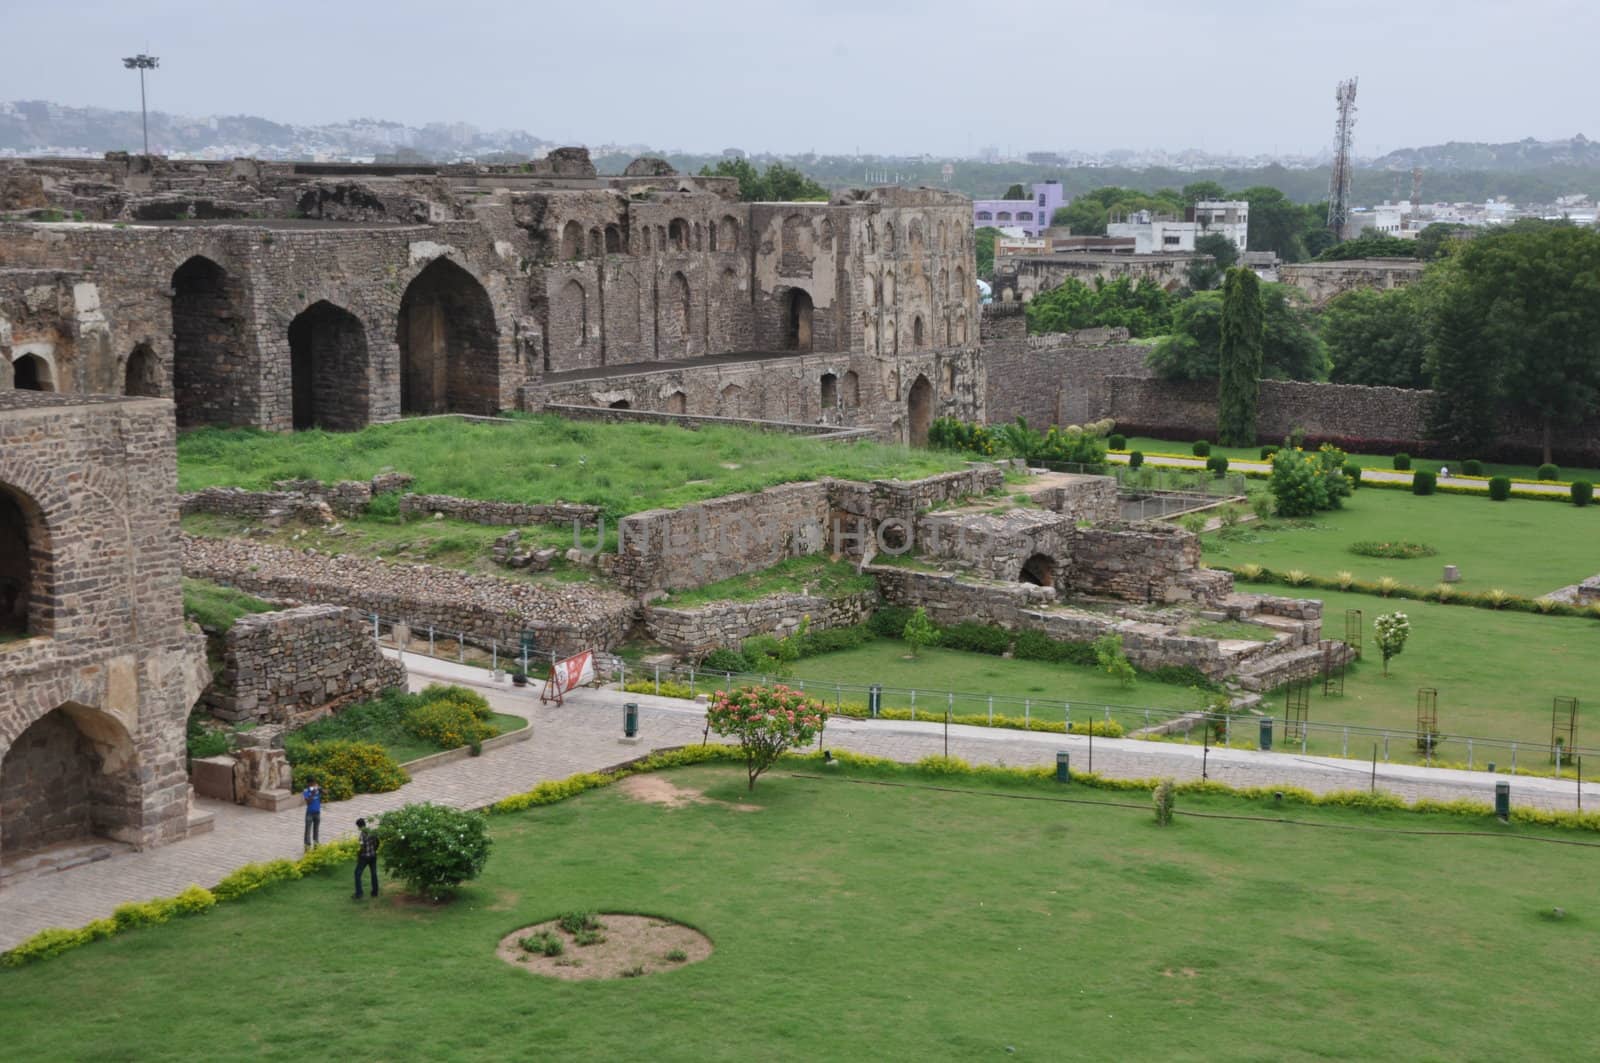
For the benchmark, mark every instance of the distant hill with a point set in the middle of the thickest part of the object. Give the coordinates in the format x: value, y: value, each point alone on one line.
x: 1520, y: 155
x: 38, y: 126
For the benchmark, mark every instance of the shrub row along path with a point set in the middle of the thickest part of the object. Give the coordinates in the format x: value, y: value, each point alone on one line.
x: 1543, y: 487
x: 585, y: 735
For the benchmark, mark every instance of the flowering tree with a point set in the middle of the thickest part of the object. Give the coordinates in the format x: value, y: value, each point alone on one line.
x: 433, y: 848
x: 1391, y: 631
x: 766, y: 721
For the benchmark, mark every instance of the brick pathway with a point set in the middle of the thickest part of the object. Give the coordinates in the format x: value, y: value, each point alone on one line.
x: 585, y: 735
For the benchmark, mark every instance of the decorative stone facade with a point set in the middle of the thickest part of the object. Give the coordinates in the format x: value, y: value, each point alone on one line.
x: 483, y: 608
x: 298, y: 664
x: 695, y: 632
x: 97, y: 671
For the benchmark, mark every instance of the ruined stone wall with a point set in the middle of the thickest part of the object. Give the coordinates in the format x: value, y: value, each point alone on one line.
x: 1321, y: 281
x: 484, y: 608
x: 1083, y: 498
x: 1142, y: 561
x: 698, y: 631
x: 669, y: 549
x: 998, y: 545
x: 611, y: 415
x: 95, y: 483
x: 1023, y: 607
x: 1019, y: 279
x: 294, y: 665
x: 509, y: 514
x: 1056, y: 385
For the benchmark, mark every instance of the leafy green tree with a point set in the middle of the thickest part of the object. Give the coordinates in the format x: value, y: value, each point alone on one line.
x: 433, y: 848
x: 1276, y: 224
x: 1303, y: 483
x: 1439, y: 239
x: 920, y: 632
x: 1113, y: 659
x: 1016, y: 192
x: 1242, y: 332
x: 1203, y: 275
x: 1378, y: 338
x: 1290, y: 348
x: 1518, y: 326
x: 780, y: 183
x: 1143, y: 309
x: 1370, y: 244
x: 983, y: 250
x: 1195, y: 191
x: 1089, y: 212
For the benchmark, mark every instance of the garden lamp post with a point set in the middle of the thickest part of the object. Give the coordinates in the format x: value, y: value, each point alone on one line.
x: 141, y: 63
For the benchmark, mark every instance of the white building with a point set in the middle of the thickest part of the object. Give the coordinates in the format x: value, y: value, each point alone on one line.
x: 1230, y: 217
x: 1152, y: 233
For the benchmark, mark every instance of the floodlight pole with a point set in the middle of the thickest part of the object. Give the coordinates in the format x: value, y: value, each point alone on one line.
x: 141, y: 63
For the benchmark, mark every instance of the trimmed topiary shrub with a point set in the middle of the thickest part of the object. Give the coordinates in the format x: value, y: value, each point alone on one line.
x: 1352, y: 472
x: 1218, y: 464
x: 1267, y: 452
x: 1117, y: 441
x: 1423, y: 482
x: 1472, y: 467
x: 1499, y: 488
x: 1135, y: 459
x: 1402, y: 461
x: 1549, y: 472
x: 1582, y: 492
x: 1201, y: 448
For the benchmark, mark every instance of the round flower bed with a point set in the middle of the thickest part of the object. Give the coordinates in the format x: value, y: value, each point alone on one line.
x: 580, y: 946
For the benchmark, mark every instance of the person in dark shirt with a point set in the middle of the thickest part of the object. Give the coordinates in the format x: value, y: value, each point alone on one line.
x: 313, y: 796
x: 367, y: 857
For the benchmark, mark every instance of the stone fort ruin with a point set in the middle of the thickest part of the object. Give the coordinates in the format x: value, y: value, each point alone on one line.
x: 290, y: 295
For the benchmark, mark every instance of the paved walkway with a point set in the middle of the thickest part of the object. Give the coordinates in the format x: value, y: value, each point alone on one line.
x: 1367, y: 474
x: 585, y: 734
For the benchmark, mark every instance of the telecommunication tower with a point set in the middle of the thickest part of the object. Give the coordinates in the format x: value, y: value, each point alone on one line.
x: 1344, y: 133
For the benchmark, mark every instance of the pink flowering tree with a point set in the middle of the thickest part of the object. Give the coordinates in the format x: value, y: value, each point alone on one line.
x: 766, y: 721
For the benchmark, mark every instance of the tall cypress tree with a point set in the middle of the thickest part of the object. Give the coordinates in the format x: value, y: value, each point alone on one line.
x: 1239, y: 354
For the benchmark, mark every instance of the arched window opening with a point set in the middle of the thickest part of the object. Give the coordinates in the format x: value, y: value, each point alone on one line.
x: 621, y: 404
x: 1039, y: 570
x: 916, y: 332
x: 31, y: 373
x: 730, y: 232
x: 678, y: 235
x: 206, y: 343
x: 571, y: 242
x: 24, y: 567
x: 328, y: 369
x: 919, y: 407
x: 797, y: 321
x: 850, y: 390
x: 677, y: 402
x: 830, y: 392
x: 614, y: 242
x: 142, y: 375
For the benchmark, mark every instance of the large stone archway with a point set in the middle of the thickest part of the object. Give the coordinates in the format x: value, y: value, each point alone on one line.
x: 328, y: 369
x: 919, y: 409
x: 207, y: 355
x: 449, y: 344
x: 71, y: 774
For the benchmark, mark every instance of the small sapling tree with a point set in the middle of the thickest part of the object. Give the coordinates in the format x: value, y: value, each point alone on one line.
x: 1391, y: 631
x: 766, y: 721
x: 1109, y: 652
x: 919, y: 631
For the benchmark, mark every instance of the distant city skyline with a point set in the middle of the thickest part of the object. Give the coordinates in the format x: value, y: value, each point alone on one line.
x: 879, y: 76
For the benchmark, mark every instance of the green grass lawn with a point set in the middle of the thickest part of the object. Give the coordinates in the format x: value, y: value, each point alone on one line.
x: 214, y: 606
x: 1496, y: 672
x: 856, y: 921
x: 936, y: 671
x: 1366, y: 461
x: 1526, y: 548
x: 623, y: 468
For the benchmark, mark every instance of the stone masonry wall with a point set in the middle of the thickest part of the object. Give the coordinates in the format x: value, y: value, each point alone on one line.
x: 292, y: 666
x: 484, y: 608
x: 509, y: 514
x: 1055, y: 385
x: 698, y: 631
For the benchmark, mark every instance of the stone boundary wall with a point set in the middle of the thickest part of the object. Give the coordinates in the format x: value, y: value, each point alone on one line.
x: 1055, y: 384
x: 1292, y: 608
x: 348, y: 498
x: 295, y: 665
x: 1099, y: 336
x: 1024, y: 607
x: 251, y: 505
x: 509, y: 514
x: 564, y: 618
x: 878, y: 501
x: 698, y: 631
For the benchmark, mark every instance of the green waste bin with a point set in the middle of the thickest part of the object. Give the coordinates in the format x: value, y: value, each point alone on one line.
x: 1063, y: 771
x: 1502, y: 800
x: 630, y: 719
x: 1266, y: 733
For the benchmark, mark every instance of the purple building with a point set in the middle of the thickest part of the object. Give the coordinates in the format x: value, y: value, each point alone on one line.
x: 1031, y: 216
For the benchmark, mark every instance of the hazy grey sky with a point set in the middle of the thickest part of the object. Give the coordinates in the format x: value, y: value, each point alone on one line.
x: 833, y: 76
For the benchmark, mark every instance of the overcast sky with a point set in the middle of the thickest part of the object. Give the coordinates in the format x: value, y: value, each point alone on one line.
x: 891, y: 76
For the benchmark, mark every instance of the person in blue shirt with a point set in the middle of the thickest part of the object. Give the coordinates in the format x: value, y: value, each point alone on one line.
x: 313, y: 796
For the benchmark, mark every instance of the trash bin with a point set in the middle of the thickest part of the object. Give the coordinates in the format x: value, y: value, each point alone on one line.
x: 1063, y: 772
x: 1266, y: 732
x: 875, y: 700
x: 1502, y: 800
x: 630, y: 719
